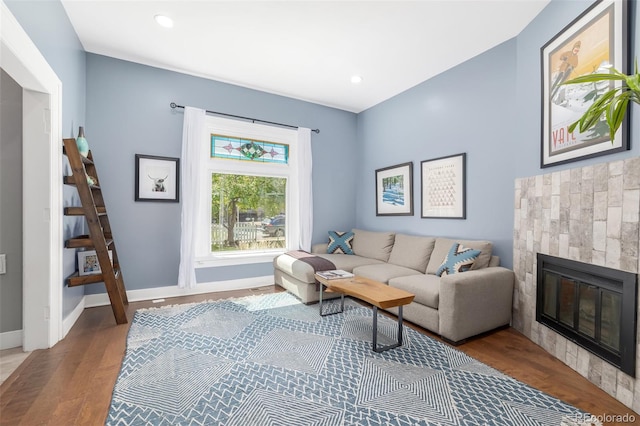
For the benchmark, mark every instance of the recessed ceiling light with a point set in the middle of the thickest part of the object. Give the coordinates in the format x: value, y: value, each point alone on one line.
x: 164, y: 21
x: 356, y: 79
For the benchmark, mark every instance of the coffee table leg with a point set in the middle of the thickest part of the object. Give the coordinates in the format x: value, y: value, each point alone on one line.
x: 375, y: 331
x: 399, y: 325
x: 322, y: 313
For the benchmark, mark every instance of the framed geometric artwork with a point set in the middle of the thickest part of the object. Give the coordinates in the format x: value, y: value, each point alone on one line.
x: 594, y: 41
x: 394, y: 190
x: 443, y: 187
x: 157, y: 178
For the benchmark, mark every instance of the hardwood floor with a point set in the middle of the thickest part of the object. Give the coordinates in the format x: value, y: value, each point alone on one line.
x: 10, y: 359
x: 71, y: 383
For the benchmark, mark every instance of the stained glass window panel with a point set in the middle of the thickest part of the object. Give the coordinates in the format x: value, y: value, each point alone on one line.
x: 249, y: 150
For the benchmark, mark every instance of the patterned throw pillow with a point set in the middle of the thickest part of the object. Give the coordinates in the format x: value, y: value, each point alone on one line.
x: 459, y: 259
x: 340, y: 242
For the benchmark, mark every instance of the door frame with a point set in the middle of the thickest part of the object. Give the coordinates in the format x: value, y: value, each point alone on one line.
x: 42, y: 280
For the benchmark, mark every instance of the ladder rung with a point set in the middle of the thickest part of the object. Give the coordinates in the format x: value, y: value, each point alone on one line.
x: 79, y: 241
x: 79, y: 211
x: 70, y: 180
x: 84, y: 241
x: 85, y: 160
x: 76, y: 279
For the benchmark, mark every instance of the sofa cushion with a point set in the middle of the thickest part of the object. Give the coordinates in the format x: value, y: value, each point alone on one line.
x: 425, y: 287
x: 348, y: 263
x: 340, y: 242
x: 459, y: 259
x: 443, y: 245
x: 304, y: 272
x: 376, y: 245
x: 412, y: 251
x: 383, y: 272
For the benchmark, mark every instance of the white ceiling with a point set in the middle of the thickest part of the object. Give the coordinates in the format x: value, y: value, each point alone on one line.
x: 303, y: 49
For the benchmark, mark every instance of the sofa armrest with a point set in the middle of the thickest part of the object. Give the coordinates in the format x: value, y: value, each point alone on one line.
x: 319, y: 248
x: 475, y: 301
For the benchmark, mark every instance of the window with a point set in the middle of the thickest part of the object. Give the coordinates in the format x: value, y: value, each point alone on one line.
x: 246, y: 197
x: 247, y: 212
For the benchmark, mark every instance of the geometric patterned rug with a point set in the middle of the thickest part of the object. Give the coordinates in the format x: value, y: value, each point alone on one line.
x: 271, y: 360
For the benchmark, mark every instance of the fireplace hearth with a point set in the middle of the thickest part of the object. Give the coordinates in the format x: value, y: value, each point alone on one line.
x: 591, y: 305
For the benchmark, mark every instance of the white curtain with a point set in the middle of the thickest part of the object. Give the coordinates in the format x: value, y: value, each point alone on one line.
x: 305, y: 196
x: 193, y: 139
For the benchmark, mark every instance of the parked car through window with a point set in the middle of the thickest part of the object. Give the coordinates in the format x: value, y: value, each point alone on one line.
x: 274, y: 227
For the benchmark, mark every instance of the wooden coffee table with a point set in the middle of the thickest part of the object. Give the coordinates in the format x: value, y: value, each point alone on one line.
x: 378, y: 294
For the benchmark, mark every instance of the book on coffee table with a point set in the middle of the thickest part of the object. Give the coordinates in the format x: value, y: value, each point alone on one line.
x: 334, y: 274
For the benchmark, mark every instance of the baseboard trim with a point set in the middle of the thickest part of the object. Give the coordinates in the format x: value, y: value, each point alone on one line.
x: 93, y: 300
x: 11, y: 339
x: 71, y: 319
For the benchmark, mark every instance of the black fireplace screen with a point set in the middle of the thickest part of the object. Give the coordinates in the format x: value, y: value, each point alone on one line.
x: 593, y: 306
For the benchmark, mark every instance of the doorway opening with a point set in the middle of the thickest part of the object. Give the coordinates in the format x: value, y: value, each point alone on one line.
x: 41, y: 184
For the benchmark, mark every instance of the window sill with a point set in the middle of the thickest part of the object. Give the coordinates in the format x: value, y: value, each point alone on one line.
x: 237, y: 259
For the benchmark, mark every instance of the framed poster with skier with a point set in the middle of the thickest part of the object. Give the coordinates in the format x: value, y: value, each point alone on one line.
x: 592, y: 43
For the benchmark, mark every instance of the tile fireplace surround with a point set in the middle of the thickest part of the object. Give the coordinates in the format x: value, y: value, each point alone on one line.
x: 590, y: 214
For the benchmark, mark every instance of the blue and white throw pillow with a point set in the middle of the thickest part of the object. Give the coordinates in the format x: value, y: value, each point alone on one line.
x: 340, y: 242
x: 459, y: 259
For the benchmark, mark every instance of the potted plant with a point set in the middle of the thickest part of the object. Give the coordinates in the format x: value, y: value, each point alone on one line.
x: 613, y: 103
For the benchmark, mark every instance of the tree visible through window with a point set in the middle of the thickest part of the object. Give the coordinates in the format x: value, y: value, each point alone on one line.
x: 247, y: 212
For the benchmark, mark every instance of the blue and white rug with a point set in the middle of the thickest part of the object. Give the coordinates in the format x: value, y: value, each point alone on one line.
x: 270, y: 360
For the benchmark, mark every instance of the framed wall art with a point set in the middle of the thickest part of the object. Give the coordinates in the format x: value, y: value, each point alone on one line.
x: 443, y: 187
x: 591, y: 43
x: 394, y: 190
x: 157, y: 178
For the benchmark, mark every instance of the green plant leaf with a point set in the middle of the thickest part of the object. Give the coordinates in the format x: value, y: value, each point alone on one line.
x: 573, y: 126
x: 618, y: 110
x: 592, y: 78
x: 613, y: 104
x: 590, y: 118
x: 633, y: 81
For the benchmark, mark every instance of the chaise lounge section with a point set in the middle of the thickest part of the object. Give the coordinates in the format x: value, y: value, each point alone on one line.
x: 459, y: 293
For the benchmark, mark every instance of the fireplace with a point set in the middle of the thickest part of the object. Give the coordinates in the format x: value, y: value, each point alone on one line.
x: 591, y: 305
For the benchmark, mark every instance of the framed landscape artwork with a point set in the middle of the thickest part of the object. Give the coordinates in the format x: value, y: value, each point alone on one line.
x: 394, y: 190
x: 157, y: 178
x: 590, y: 44
x: 443, y: 187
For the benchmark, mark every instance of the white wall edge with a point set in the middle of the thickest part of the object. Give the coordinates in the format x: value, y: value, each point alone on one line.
x: 42, y: 292
x: 10, y: 339
x: 102, y: 299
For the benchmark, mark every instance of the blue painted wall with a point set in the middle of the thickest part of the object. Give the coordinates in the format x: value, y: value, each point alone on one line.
x: 128, y: 113
x: 53, y: 35
x: 47, y: 24
x: 488, y: 107
x: 467, y: 109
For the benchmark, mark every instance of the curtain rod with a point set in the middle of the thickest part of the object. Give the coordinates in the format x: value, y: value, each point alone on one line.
x: 173, y: 105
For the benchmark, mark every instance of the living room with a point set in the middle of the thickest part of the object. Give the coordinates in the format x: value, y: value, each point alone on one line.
x: 488, y: 107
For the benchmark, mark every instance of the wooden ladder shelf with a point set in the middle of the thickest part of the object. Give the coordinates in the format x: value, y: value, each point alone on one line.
x: 100, y: 237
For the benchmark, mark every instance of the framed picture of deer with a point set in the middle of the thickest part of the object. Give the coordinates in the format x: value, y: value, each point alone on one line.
x: 157, y: 178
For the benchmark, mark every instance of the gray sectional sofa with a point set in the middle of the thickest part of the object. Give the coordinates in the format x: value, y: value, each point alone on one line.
x: 456, y: 306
